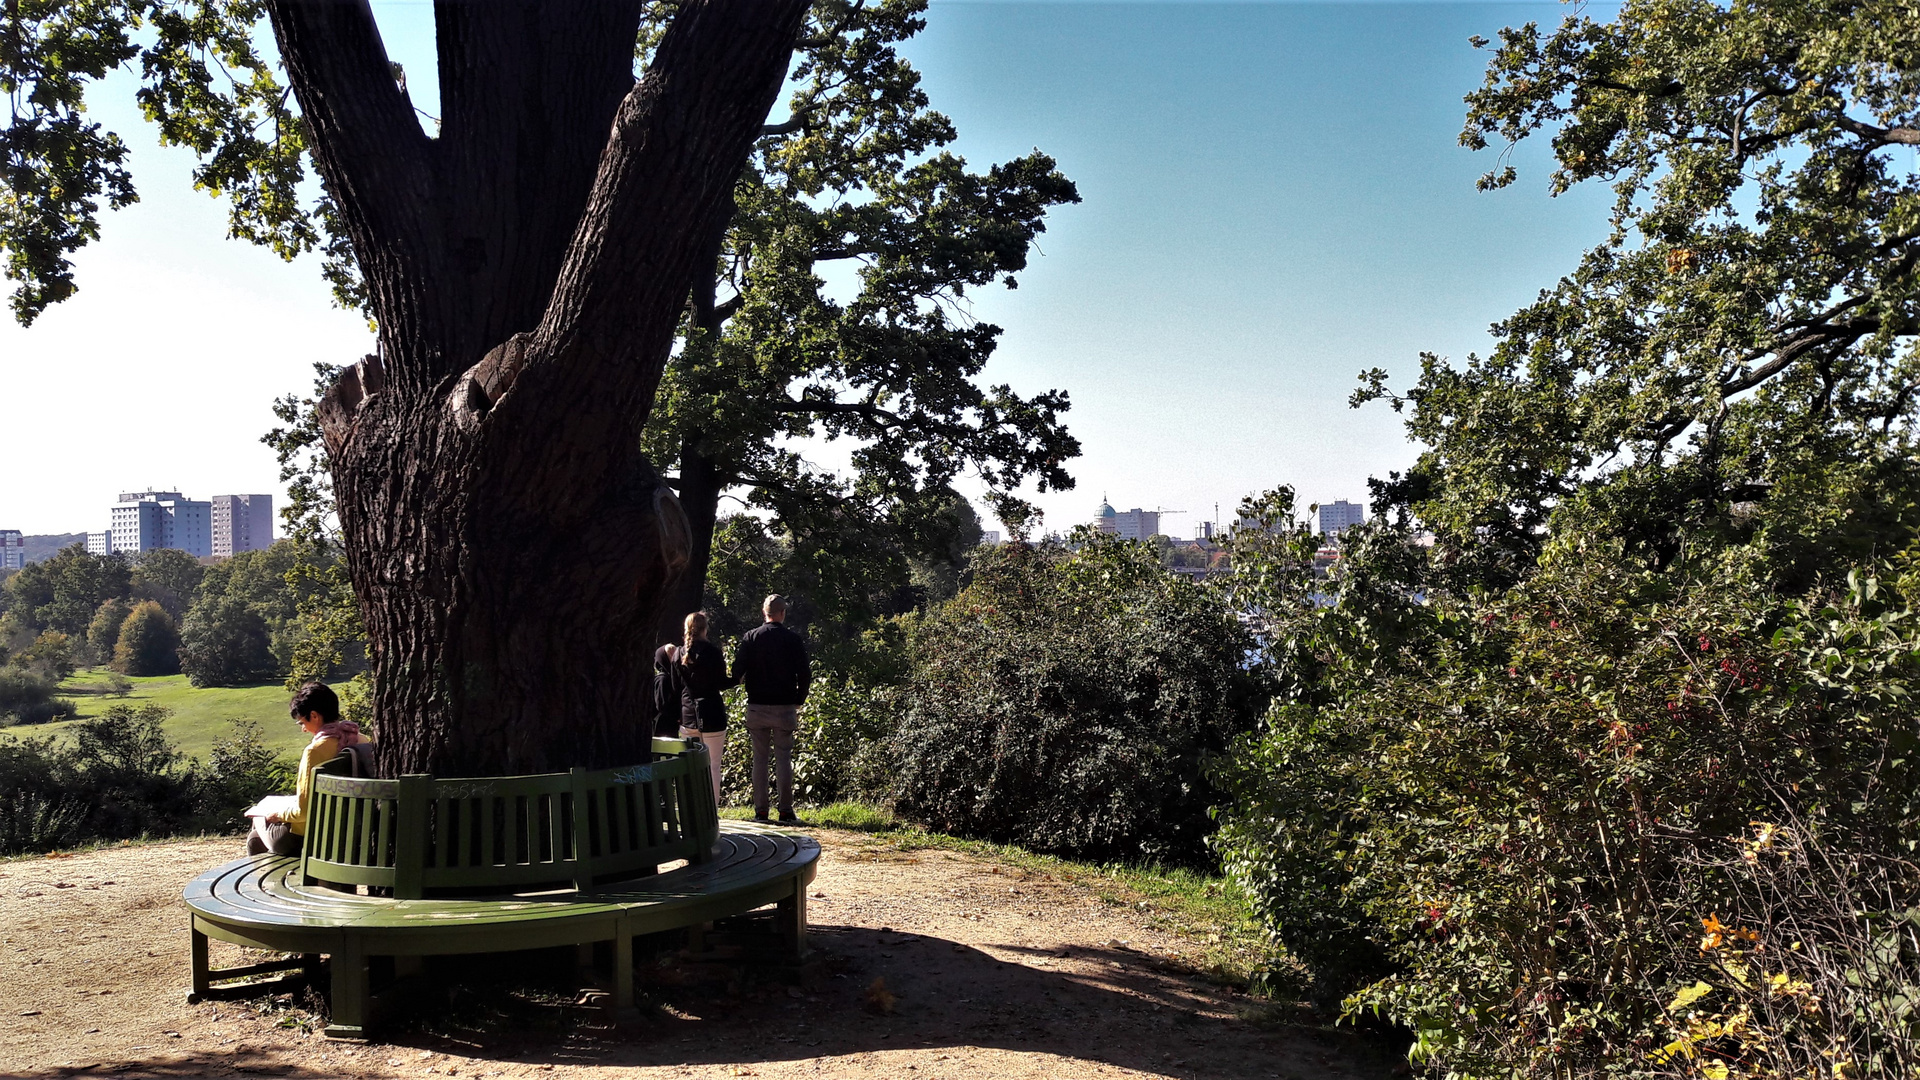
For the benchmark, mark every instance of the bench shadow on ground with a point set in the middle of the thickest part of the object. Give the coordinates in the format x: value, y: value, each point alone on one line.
x: 862, y: 991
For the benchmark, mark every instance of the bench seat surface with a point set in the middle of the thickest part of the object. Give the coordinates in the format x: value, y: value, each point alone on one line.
x: 262, y: 899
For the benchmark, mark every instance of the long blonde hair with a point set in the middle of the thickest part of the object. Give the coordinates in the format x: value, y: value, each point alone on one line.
x: 695, y: 627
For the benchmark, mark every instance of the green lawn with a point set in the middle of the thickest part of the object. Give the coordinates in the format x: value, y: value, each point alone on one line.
x: 201, y: 717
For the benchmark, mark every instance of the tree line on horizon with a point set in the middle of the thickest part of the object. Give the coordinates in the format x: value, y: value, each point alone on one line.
x: 235, y: 622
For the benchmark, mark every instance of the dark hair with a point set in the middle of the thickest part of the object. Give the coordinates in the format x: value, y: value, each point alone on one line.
x: 316, y: 697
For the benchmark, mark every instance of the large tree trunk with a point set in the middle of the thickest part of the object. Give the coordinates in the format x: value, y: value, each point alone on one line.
x: 510, y: 545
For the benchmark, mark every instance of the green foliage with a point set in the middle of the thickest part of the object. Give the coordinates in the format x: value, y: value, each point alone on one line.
x: 249, y: 621
x: 137, y: 782
x: 859, y: 177
x: 225, y: 642
x: 1067, y: 701
x: 39, y: 810
x: 168, y: 577
x: 841, y: 586
x: 237, y: 773
x: 1615, y: 778
x: 117, y: 777
x: 203, y: 83
x: 838, y: 747
x: 26, y: 697
x: 1519, y: 820
x: 64, y: 592
x: 1742, y: 345
x: 59, y: 166
x: 149, y: 643
x: 51, y: 654
x: 103, y: 632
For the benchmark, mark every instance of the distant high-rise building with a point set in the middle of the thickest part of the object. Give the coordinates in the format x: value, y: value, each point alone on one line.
x: 100, y: 543
x: 13, y: 549
x: 1135, y: 524
x: 989, y: 536
x: 241, y: 523
x: 1340, y: 515
x: 150, y: 520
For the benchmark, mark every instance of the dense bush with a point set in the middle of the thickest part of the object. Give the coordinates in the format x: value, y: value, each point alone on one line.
x: 26, y: 697
x: 1511, y: 841
x: 1067, y: 701
x: 237, y: 772
x: 116, y: 777
x: 839, y: 747
x: 149, y: 644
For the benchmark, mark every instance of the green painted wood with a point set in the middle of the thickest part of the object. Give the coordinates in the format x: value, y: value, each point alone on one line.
x: 562, y: 859
x: 415, y: 793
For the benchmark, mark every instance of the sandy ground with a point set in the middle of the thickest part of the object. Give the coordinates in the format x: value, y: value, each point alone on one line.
x: 927, y: 965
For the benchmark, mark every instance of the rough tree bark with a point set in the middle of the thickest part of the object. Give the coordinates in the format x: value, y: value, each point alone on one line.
x: 510, y: 545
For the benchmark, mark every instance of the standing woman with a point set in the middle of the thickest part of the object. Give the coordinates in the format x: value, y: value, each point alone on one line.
x: 703, y: 678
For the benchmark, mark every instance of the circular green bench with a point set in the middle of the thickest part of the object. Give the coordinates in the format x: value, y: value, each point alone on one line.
x: 420, y: 866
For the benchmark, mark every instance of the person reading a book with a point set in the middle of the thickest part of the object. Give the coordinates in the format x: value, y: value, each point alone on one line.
x: 280, y: 821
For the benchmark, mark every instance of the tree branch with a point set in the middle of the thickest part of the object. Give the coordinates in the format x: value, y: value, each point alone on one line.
x: 1809, y: 341
x: 370, y: 151
x: 872, y: 412
x: 678, y: 142
x: 1905, y: 136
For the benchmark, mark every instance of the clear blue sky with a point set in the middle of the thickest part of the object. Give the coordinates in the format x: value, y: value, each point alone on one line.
x: 1274, y: 201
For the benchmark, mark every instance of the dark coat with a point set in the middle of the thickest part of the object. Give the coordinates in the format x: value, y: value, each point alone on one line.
x: 666, y: 693
x: 772, y: 663
x: 701, y: 683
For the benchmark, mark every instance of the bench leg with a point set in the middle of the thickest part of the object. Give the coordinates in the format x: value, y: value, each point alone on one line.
x: 349, y: 995
x: 623, y: 968
x: 793, y: 922
x: 202, y: 973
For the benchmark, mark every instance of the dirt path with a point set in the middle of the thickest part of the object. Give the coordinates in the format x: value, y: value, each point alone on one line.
x: 985, y: 972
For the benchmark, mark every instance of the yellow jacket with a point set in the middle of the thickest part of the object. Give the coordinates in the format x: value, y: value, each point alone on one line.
x: 322, y: 749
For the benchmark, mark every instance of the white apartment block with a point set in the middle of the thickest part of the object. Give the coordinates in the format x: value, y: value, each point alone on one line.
x: 149, y: 520
x: 13, y: 549
x: 241, y: 523
x: 1135, y: 524
x: 100, y: 543
x: 1340, y: 515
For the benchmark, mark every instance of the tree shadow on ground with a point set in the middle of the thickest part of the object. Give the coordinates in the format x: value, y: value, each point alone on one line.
x: 862, y: 992
x: 240, y: 1062
x: 867, y: 991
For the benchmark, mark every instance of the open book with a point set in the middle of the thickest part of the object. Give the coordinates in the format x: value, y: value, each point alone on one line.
x: 282, y: 805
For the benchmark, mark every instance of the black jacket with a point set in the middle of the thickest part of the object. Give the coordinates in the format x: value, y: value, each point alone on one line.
x: 772, y: 662
x: 701, y: 684
x: 666, y: 693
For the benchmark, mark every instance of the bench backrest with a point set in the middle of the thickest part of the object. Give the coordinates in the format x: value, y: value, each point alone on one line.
x: 418, y: 833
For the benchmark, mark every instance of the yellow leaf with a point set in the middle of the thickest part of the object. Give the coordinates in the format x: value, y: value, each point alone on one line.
x: 1687, y: 997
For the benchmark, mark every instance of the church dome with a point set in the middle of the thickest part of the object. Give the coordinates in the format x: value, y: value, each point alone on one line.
x: 1105, y: 511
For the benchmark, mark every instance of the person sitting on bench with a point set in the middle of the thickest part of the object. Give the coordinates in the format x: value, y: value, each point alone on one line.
x: 282, y: 830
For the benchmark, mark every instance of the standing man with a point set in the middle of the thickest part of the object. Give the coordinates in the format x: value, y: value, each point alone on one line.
x: 772, y: 663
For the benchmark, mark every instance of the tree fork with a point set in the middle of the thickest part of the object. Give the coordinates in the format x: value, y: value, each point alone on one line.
x: 510, y: 545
